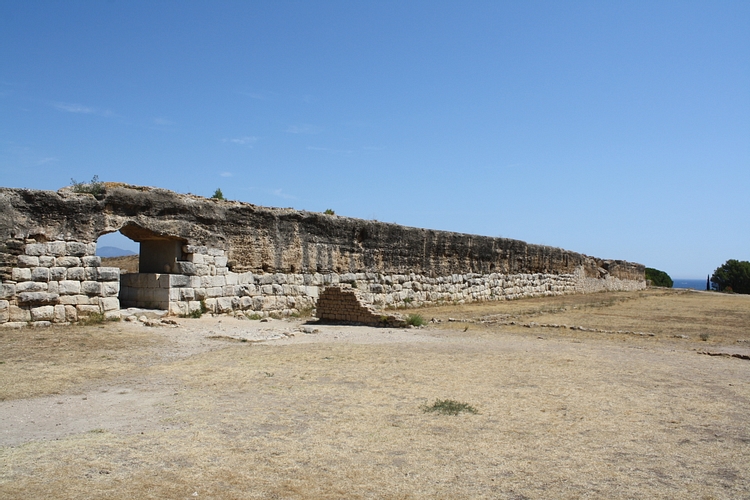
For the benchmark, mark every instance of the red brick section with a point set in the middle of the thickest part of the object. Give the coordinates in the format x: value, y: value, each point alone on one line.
x: 344, y: 305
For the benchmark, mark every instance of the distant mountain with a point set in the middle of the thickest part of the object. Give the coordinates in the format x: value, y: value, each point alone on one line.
x: 113, y: 252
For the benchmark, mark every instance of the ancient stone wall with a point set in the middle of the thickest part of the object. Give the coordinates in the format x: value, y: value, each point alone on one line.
x: 231, y: 256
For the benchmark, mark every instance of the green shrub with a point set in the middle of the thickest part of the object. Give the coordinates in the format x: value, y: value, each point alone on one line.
x: 94, y: 187
x: 415, y: 320
x: 218, y: 195
x: 658, y: 278
x: 329, y: 212
x: 448, y: 407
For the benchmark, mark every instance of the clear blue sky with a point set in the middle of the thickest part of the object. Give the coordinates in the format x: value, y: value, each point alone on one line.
x: 616, y: 129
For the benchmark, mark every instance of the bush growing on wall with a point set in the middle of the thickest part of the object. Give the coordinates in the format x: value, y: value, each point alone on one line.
x: 658, y: 278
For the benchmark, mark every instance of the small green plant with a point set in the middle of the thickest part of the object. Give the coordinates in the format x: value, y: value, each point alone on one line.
x: 254, y: 316
x: 94, y: 187
x: 408, y: 300
x: 218, y: 195
x: 704, y: 337
x: 329, y: 212
x: 448, y: 407
x: 415, y: 320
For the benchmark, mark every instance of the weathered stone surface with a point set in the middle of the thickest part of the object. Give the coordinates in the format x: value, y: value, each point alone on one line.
x: 260, y: 239
x: 37, y: 298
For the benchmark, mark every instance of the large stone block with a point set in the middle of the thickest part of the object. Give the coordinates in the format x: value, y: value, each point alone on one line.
x: 178, y: 280
x: 108, y: 274
x: 69, y: 287
x: 91, y: 248
x: 38, y: 298
x: 18, y: 314
x: 7, y: 290
x: 35, y: 249
x: 40, y: 274
x: 28, y: 261
x: 71, y: 314
x: 91, y: 287
x: 42, y: 313
x: 31, y: 286
x: 186, y: 268
x: 20, y: 274
x: 88, y: 310
x: 110, y: 289
x: 46, y: 261
x: 109, y: 304
x: 57, y: 273
x: 68, y: 261
x: 76, y: 273
x: 91, y: 261
x: 75, y: 248
x: 59, y: 314
x: 57, y: 248
x: 224, y: 304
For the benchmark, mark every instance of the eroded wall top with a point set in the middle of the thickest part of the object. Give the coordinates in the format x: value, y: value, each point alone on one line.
x: 262, y: 239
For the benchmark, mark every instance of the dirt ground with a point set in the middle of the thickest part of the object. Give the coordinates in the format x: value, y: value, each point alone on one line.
x: 620, y: 402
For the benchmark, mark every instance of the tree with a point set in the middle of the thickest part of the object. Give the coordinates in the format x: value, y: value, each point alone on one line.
x: 658, y: 278
x: 733, y: 276
x: 218, y: 195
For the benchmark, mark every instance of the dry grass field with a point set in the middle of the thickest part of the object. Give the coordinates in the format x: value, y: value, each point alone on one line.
x: 222, y: 408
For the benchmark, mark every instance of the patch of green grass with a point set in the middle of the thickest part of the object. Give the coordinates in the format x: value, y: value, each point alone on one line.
x: 449, y: 407
x: 415, y: 320
x: 254, y: 316
x: 94, y: 187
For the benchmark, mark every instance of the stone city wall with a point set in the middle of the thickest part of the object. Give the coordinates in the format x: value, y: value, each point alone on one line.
x: 229, y: 256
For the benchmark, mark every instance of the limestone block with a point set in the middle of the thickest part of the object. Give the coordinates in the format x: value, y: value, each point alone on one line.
x: 76, y: 273
x: 67, y: 300
x: 221, y: 271
x: 178, y: 280
x: 215, y: 252
x: 91, y: 261
x: 30, y: 286
x: 246, y: 302
x: 194, y: 305
x: 56, y: 248
x: 112, y: 316
x: 265, y: 279
x: 40, y: 274
x: 245, y: 279
x: 187, y: 294
x: 193, y: 249
x: 75, y: 248
x: 83, y: 300
x: 312, y: 291
x: 109, y: 304
x: 257, y: 303
x: 110, y: 289
x: 236, y: 302
x: 20, y: 274
x: 68, y: 261
x: 40, y: 324
x: 209, y: 260
x: 202, y: 270
x: 211, y: 305
x: 221, y: 261
x: 36, y: 249
x: 38, y: 298
x: 230, y: 291
x: 108, y: 274
x: 91, y: 248
x: 224, y: 304
x: 4, y: 311
x: 42, y: 313
x: 71, y: 314
x: 46, y: 261
x: 69, y: 287
x: 187, y: 268
x: 28, y: 261
x: 57, y: 273
x: 217, y: 281
x: 174, y: 294
x: 59, y: 314
x: 90, y: 274
x: 91, y: 287
x: 87, y: 310
x: 195, y: 282
x: 178, y: 308
x: 269, y: 303
x: 266, y: 289
x: 18, y: 314
x: 53, y: 287
x: 211, y: 270
x: 195, y: 258
x: 200, y: 293
x: 215, y: 291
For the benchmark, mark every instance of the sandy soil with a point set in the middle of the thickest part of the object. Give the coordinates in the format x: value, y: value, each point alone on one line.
x: 622, y: 406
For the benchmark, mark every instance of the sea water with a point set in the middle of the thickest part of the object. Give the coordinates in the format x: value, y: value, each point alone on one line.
x: 685, y: 283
